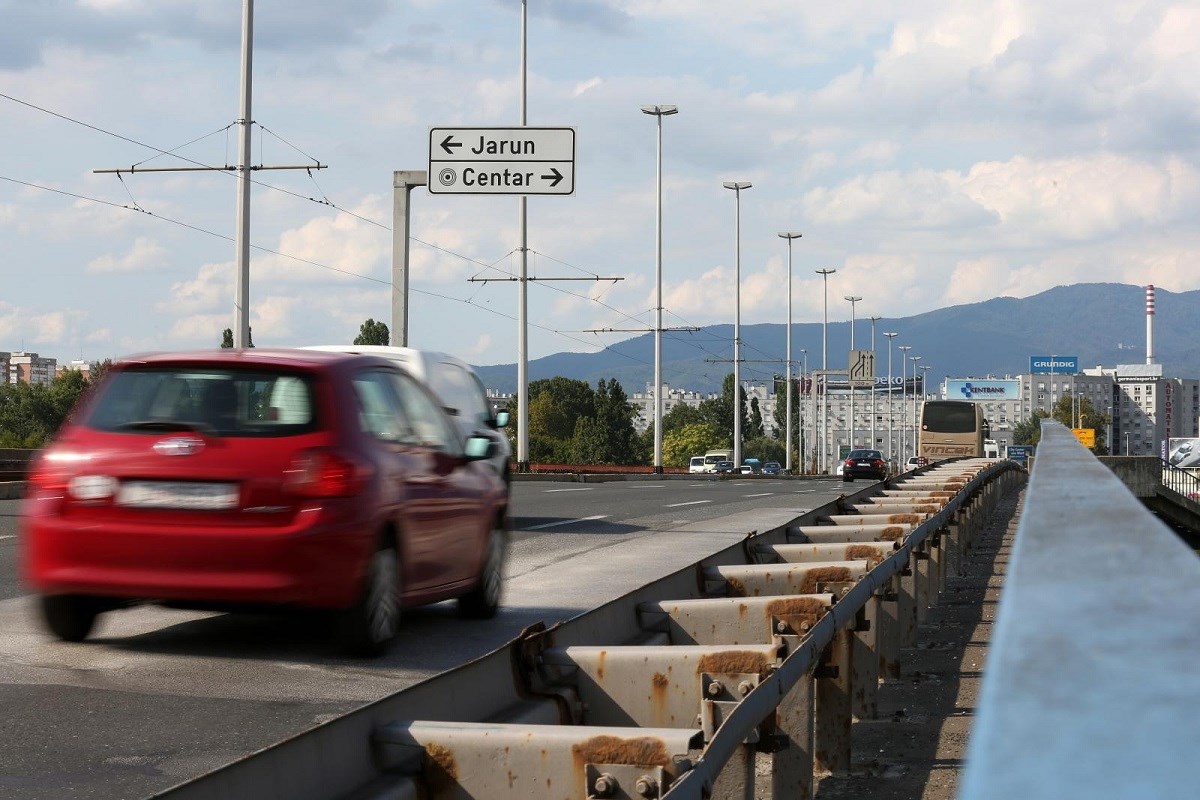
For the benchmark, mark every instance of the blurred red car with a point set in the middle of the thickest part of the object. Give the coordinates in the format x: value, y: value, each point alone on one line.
x: 236, y: 479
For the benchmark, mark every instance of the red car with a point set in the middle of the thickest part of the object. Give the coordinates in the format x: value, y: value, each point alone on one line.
x: 234, y: 479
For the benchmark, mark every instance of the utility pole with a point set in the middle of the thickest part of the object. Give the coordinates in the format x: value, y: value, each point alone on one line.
x: 241, y: 301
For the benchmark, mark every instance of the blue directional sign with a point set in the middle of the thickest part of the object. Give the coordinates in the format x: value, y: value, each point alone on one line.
x: 1020, y: 452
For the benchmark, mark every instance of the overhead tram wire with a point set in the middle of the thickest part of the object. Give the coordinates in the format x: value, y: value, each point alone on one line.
x: 325, y: 202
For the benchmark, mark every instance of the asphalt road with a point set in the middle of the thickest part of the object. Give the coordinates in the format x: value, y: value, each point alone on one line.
x: 157, y: 695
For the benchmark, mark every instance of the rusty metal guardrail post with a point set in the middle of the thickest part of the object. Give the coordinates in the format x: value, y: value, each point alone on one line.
x: 755, y: 661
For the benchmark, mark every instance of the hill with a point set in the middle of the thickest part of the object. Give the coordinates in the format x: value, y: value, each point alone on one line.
x: 1101, y: 323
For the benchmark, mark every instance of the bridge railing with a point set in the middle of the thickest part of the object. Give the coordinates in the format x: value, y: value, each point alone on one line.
x: 745, y: 669
x: 1183, y: 481
x: 1090, y: 687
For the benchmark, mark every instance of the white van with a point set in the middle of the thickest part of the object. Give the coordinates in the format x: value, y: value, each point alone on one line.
x: 697, y: 464
x: 455, y: 384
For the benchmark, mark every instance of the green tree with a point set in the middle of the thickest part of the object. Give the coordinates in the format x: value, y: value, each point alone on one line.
x: 679, y: 416
x: 763, y: 448
x: 373, y: 333
x: 1029, y: 431
x: 755, y: 429
x: 227, y: 338
x: 693, y: 439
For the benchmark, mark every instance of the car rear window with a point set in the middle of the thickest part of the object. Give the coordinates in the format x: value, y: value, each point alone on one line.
x: 215, y: 401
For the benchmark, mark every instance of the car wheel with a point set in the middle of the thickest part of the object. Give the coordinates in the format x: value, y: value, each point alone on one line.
x: 847, y: 478
x: 70, y: 617
x: 483, y: 601
x: 372, y: 622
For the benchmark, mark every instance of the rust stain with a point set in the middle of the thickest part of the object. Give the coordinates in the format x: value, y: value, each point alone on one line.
x: 441, y: 770
x: 858, y: 552
x: 734, y: 587
x: 600, y: 659
x: 820, y: 575
x: 742, y: 609
x: 659, y: 688
x: 925, y: 509
x: 943, y: 494
x: 640, y: 751
x: 795, y: 610
x: 734, y: 661
x: 902, y: 519
x: 891, y: 534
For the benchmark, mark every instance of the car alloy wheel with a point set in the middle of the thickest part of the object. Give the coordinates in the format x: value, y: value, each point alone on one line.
x: 483, y: 601
x: 374, y: 620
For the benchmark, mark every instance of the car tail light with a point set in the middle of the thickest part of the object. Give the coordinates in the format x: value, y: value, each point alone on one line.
x: 878, y: 462
x: 53, y: 470
x: 325, y: 473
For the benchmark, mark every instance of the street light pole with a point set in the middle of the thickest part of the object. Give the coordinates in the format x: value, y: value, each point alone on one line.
x: 853, y: 301
x: 658, y: 112
x: 916, y: 441
x: 824, y: 426
x: 891, y: 405
x: 904, y: 404
x: 803, y: 416
x: 787, y: 437
x: 873, y: 437
x: 737, y: 187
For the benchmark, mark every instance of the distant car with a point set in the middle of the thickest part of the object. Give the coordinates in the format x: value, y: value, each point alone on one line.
x: 697, y: 465
x: 864, y: 464
x: 912, y: 463
x: 745, y: 469
x: 724, y: 468
x: 754, y: 464
x: 242, y: 479
x: 771, y: 468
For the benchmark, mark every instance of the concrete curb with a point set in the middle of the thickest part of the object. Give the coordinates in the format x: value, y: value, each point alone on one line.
x: 12, y: 490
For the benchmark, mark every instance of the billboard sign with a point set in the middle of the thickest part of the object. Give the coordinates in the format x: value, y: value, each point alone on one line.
x: 972, y: 389
x: 1045, y: 365
x: 1184, y: 452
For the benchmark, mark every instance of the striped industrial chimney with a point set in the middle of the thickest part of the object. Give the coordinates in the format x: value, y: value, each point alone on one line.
x: 1150, y: 324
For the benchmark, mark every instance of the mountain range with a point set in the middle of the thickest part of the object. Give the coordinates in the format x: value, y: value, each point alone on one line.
x: 1101, y: 323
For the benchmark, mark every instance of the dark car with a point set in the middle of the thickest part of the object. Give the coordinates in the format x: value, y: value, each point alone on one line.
x: 238, y: 479
x: 771, y: 468
x: 724, y: 467
x: 864, y: 464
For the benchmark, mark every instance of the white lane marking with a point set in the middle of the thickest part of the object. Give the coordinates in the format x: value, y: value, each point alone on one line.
x: 761, y: 494
x: 650, y: 486
x: 584, y: 489
x: 564, y: 522
x: 691, y: 503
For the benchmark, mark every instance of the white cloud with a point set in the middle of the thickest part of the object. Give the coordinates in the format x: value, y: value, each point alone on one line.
x: 145, y: 255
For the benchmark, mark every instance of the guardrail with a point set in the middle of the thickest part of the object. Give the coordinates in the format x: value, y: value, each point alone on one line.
x: 754, y: 661
x: 1090, y: 687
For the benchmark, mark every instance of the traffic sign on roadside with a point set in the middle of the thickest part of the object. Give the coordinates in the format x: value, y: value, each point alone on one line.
x: 501, y: 161
x: 862, y: 368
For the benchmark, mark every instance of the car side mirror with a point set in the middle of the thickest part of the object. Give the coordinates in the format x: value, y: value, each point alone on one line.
x: 478, y: 448
x: 502, y: 418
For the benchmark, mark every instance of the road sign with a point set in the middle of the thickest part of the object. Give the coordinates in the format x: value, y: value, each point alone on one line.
x: 1085, y: 435
x: 1020, y: 452
x: 862, y: 368
x: 501, y: 161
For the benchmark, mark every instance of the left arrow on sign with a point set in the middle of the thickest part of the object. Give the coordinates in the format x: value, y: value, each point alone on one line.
x: 449, y: 143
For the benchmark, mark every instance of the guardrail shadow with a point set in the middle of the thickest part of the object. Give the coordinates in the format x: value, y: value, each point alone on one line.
x: 925, y: 715
x: 532, y: 526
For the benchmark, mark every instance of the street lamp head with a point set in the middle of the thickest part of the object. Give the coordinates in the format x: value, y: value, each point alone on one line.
x: 852, y: 298
x: 660, y: 111
x: 737, y: 186
x: 905, y: 347
x: 825, y: 271
x: 789, y: 235
x: 891, y: 335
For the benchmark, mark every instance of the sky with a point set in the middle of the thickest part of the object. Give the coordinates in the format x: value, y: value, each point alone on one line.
x: 936, y: 154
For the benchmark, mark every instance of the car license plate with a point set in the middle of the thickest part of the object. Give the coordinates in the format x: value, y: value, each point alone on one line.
x: 178, y: 494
